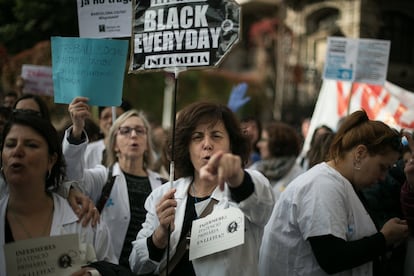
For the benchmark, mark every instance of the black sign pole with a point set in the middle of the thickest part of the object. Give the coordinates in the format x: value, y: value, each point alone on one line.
x: 174, y: 114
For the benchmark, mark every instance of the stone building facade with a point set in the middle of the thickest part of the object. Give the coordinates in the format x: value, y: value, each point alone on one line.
x: 298, y: 52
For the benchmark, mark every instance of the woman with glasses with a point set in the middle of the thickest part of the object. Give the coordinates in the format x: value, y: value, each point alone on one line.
x: 321, y: 224
x: 120, y: 189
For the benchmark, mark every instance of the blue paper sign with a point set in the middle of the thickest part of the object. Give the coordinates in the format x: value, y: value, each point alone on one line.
x: 87, y: 67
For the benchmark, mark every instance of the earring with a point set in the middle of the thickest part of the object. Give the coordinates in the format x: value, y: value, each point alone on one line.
x: 48, y: 174
x: 356, y: 165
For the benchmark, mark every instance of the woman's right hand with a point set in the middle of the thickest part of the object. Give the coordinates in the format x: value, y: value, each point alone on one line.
x: 79, y: 111
x: 84, y: 207
x: 166, y: 214
x: 395, y: 231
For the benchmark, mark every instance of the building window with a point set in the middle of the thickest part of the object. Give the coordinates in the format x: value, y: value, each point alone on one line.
x: 323, y: 19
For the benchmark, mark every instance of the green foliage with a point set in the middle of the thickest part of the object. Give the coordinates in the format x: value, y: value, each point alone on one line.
x: 146, y: 91
x: 24, y: 23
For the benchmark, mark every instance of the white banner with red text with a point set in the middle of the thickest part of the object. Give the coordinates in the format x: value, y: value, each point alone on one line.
x: 388, y: 103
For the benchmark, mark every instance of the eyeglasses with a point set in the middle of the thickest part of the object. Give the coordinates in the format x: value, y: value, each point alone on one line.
x: 126, y: 130
x: 27, y: 112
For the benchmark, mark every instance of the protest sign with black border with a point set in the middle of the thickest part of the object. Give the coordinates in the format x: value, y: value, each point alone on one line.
x: 182, y: 33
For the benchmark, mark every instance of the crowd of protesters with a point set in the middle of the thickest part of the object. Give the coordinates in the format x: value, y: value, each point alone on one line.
x: 344, y: 207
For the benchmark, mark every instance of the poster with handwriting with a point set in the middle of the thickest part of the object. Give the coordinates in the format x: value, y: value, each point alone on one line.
x: 88, y: 67
x: 57, y: 255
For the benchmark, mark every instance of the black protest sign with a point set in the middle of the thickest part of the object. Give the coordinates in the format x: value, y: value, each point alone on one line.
x: 182, y: 33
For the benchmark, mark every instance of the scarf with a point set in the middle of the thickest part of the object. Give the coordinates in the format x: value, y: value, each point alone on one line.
x: 276, y: 168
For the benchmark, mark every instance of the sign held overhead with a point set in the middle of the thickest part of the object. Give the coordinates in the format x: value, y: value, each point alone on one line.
x: 104, y: 18
x: 357, y: 60
x: 183, y: 33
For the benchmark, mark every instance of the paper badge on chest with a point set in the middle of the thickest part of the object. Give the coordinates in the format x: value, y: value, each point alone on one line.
x: 221, y: 230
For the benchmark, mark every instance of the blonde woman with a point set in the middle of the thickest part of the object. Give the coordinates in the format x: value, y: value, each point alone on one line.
x: 129, y: 159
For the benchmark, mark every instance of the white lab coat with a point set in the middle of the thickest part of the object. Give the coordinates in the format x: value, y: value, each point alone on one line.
x: 93, y: 153
x: 316, y: 203
x: 63, y: 189
x: 116, y: 212
x: 240, y: 260
x: 65, y: 222
x: 4, y: 190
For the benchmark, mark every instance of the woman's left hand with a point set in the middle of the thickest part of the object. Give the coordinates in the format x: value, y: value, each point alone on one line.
x: 84, y: 207
x: 223, y: 168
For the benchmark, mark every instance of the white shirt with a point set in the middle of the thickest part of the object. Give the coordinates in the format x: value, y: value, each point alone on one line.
x: 240, y: 260
x: 318, y: 202
x: 280, y: 185
x: 65, y: 222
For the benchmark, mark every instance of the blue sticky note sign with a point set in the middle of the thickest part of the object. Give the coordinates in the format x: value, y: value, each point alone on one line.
x: 87, y: 67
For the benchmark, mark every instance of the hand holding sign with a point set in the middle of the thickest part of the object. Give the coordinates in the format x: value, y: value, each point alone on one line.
x: 166, y: 214
x: 79, y: 111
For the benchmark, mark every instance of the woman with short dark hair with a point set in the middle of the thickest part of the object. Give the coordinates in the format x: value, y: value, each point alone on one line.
x: 279, y: 146
x: 210, y: 152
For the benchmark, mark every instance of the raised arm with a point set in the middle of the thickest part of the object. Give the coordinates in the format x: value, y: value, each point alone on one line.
x: 79, y: 112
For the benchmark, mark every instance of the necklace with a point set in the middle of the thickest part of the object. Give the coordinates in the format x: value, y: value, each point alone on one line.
x: 43, y: 233
x: 195, y: 192
x: 199, y: 199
